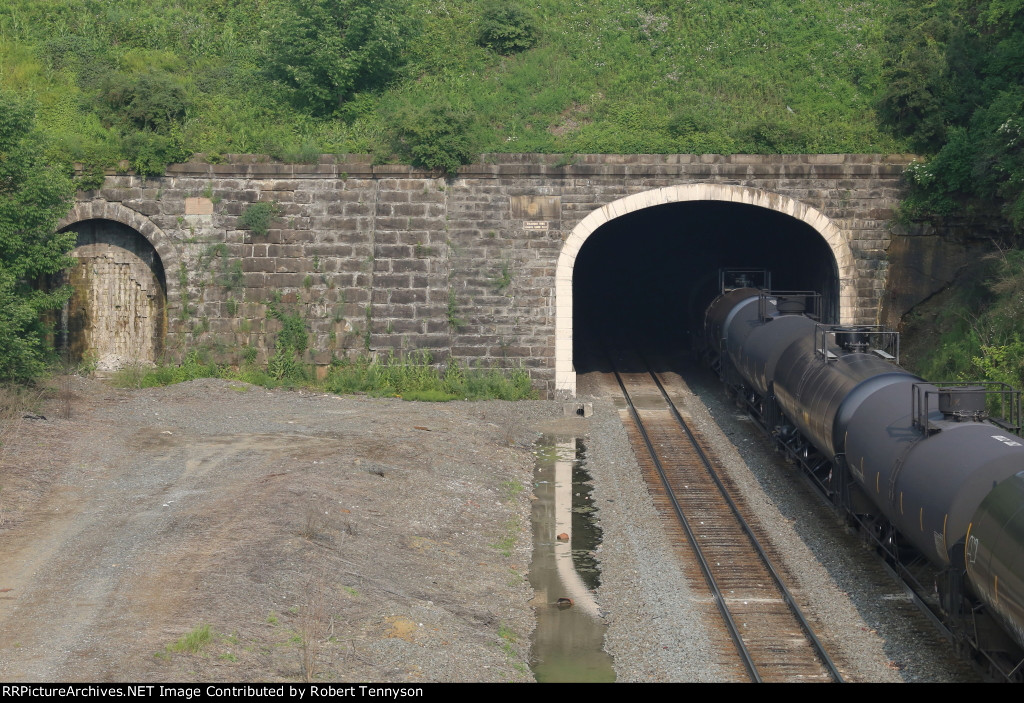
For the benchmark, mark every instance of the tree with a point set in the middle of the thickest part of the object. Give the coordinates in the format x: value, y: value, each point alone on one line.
x: 956, y: 88
x: 34, y: 195
x: 326, y: 50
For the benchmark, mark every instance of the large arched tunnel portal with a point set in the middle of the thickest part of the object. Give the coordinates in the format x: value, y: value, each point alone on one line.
x: 117, y: 312
x: 644, y: 279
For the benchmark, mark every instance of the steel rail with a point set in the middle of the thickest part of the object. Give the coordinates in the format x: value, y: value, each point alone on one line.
x: 787, y: 596
x: 705, y: 568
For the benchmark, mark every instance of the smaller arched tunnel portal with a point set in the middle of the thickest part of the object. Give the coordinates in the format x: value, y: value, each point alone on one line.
x: 117, y: 312
x: 644, y: 279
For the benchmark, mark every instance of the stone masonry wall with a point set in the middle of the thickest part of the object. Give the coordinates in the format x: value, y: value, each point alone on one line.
x: 390, y: 258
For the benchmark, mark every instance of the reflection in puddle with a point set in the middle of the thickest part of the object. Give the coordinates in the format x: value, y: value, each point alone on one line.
x: 568, y: 643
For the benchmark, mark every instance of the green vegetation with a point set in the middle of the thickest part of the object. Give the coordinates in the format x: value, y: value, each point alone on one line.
x: 507, y: 541
x: 955, y: 90
x: 452, y: 313
x: 413, y: 377
x: 955, y: 78
x: 194, y: 641
x: 511, y: 489
x: 438, y: 82
x: 325, y: 51
x: 34, y: 194
x: 503, y: 279
x: 258, y: 217
x: 982, y: 328
x: 289, y: 345
x: 506, y: 28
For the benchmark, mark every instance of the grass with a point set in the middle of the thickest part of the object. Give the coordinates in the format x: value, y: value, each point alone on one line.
x: 194, y: 641
x: 510, y: 489
x: 509, y: 537
x: 618, y: 76
x: 508, y: 639
x: 412, y: 377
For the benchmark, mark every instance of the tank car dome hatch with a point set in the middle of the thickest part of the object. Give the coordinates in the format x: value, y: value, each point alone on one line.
x: 791, y: 305
x: 852, y: 339
x: 964, y: 403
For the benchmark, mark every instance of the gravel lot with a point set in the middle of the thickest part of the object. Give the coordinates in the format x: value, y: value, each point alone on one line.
x: 346, y: 539
x: 356, y: 539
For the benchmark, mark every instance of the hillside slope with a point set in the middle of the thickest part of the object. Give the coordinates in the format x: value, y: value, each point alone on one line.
x: 426, y: 80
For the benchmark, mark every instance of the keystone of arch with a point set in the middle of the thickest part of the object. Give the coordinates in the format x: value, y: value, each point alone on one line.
x: 565, y: 374
x: 103, y: 210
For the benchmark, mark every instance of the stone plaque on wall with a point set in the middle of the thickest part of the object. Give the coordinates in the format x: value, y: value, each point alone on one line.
x: 536, y: 207
x: 198, y: 206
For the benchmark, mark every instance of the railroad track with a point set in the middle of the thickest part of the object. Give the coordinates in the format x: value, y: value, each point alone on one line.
x: 769, y: 634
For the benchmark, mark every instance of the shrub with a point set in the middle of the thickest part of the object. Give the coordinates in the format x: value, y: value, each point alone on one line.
x: 435, y: 136
x: 325, y: 50
x: 151, y: 101
x: 285, y: 365
x: 150, y: 152
x: 506, y: 28
x: 258, y: 217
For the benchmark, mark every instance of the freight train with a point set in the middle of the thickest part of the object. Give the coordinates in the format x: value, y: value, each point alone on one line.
x: 927, y: 470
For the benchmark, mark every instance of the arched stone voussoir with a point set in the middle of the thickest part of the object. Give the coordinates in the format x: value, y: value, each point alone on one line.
x: 565, y: 373
x: 99, y: 209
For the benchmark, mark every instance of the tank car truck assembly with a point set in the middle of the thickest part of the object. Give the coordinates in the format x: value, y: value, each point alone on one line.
x: 929, y: 471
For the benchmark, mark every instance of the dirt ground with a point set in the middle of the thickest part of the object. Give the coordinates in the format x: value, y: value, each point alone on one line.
x: 216, y: 531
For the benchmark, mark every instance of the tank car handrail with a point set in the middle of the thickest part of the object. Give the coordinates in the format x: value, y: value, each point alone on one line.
x: 769, y: 303
x: 1009, y: 403
x: 735, y: 278
x: 875, y: 339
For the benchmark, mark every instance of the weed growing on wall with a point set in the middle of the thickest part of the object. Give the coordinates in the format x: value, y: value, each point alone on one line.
x: 293, y: 332
x: 258, y: 217
x: 503, y: 279
x: 291, y: 343
x: 454, y: 321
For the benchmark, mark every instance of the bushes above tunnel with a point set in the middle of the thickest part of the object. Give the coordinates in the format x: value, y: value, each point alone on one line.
x: 294, y: 78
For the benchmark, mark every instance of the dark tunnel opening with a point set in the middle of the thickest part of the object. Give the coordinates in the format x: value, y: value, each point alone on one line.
x: 643, y: 280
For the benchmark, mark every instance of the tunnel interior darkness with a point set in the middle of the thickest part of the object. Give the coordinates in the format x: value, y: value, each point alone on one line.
x: 643, y: 280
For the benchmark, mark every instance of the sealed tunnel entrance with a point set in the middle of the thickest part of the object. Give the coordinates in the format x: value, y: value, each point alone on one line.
x: 645, y: 278
x: 117, y: 312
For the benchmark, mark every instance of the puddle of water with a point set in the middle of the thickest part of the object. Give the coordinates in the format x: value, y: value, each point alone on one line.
x: 568, y: 642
